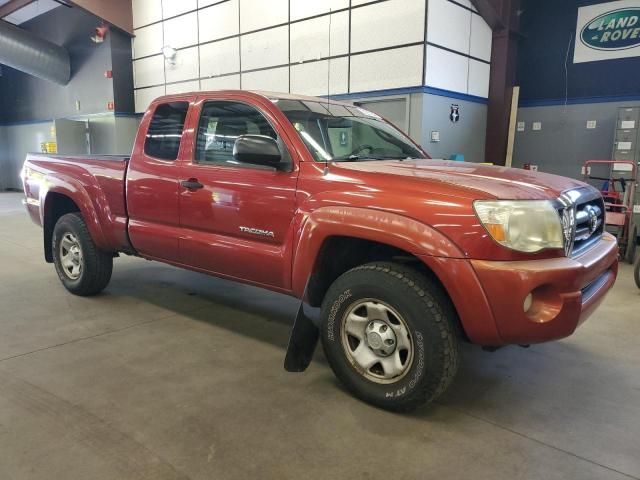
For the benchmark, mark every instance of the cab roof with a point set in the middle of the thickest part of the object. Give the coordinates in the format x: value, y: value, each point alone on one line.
x: 262, y: 93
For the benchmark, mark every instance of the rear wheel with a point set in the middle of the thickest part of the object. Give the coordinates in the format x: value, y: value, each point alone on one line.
x: 389, y: 335
x: 82, y: 268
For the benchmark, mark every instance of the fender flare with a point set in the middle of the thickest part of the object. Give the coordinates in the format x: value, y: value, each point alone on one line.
x: 379, y: 226
x: 77, y: 193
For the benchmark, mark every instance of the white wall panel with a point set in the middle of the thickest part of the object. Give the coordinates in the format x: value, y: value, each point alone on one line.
x: 309, y: 8
x: 185, y: 68
x: 264, y: 49
x: 478, y: 78
x: 255, y: 14
x: 481, y: 38
x: 146, y: 12
x: 148, y: 41
x: 219, y: 21
x: 360, y: 2
x: 310, y: 38
x: 145, y: 96
x: 220, y: 83
x: 446, y: 70
x: 401, y: 67
x: 449, y: 25
x: 220, y: 57
x: 171, y: 8
x: 273, y: 80
x: 183, y: 87
x: 206, y: 3
x: 311, y: 78
x: 386, y: 24
x: 181, y: 31
x: 148, y: 71
x: 208, y: 46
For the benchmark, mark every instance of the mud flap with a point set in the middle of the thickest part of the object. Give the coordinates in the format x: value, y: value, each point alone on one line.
x: 302, y: 342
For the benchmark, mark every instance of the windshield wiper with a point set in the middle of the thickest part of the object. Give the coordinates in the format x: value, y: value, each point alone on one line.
x: 357, y: 158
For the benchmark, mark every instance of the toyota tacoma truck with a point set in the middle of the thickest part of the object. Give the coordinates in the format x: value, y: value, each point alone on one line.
x: 406, y: 256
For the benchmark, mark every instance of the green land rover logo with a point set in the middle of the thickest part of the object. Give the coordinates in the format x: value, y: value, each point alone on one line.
x: 615, y: 30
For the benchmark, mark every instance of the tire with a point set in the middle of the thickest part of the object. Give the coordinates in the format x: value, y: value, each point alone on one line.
x: 82, y: 268
x: 632, y: 243
x: 421, y: 333
x: 636, y: 272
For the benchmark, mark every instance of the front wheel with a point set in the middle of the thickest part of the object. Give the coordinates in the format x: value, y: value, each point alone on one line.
x: 389, y: 335
x: 82, y: 268
x: 636, y: 272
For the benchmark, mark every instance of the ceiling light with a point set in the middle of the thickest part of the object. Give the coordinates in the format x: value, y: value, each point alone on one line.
x: 169, y: 54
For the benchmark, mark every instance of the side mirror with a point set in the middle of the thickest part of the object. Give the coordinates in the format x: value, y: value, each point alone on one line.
x: 258, y: 150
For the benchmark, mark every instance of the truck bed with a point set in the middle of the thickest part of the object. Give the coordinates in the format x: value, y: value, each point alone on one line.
x: 100, y: 179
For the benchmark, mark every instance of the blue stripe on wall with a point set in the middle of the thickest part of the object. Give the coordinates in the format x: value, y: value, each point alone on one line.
x: 404, y: 91
x: 578, y: 101
x: 346, y: 96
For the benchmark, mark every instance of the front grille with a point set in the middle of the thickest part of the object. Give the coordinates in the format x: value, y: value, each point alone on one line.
x: 583, y: 218
x: 589, y: 224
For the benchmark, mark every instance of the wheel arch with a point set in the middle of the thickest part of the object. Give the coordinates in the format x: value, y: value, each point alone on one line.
x: 327, y: 250
x: 58, y: 202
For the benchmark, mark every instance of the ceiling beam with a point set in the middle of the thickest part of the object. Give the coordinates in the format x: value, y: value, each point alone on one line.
x: 13, y: 6
x: 491, y: 15
x: 116, y: 12
x: 503, y: 16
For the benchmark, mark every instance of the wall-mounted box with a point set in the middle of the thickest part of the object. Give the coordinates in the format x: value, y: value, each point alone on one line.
x: 626, y: 135
x: 627, y: 155
x: 622, y: 146
x: 628, y: 117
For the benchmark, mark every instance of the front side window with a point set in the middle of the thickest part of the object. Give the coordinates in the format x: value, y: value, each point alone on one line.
x: 165, y: 130
x: 221, y: 123
x: 334, y: 132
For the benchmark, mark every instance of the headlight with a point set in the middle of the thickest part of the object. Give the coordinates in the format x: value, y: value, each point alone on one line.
x: 523, y: 225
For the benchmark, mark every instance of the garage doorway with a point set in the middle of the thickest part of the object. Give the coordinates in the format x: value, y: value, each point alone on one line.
x: 395, y: 110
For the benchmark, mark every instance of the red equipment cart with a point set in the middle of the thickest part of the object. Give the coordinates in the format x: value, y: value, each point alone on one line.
x: 618, y: 191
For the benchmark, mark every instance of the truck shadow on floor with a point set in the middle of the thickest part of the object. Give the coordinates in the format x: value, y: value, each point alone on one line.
x: 268, y: 317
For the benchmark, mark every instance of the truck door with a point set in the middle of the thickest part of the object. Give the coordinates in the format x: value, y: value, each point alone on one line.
x: 236, y: 218
x: 153, y: 182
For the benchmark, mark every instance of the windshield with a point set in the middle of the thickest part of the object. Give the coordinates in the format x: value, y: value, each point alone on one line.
x: 344, y: 133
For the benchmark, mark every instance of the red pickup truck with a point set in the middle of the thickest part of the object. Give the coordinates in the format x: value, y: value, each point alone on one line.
x: 406, y: 255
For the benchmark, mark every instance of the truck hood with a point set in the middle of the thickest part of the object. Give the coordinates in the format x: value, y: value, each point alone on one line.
x: 480, y: 180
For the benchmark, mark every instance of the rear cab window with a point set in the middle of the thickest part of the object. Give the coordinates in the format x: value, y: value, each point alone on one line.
x: 165, y: 130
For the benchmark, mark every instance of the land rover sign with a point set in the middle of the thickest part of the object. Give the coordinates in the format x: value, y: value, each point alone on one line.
x: 608, y: 30
x: 616, y: 30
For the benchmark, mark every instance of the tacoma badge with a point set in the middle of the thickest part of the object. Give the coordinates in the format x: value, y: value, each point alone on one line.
x: 257, y: 231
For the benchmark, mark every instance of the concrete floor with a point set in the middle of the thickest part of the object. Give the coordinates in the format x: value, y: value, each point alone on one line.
x: 171, y: 374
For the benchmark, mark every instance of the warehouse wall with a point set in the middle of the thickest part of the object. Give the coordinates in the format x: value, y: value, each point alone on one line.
x: 466, y: 137
x: 20, y: 140
x: 283, y: 45
x: 565, y: 143
x: 564, y: 100
x: 109, y: 134
x: 27, y: 98
x: 549, y: 30
x: 374, y: 48
x: 26, y: 101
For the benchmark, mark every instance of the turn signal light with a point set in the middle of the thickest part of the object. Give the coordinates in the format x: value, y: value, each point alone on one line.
x: 496, y: 230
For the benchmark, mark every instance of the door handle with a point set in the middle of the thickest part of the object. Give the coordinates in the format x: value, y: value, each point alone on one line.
x: 191, y: 184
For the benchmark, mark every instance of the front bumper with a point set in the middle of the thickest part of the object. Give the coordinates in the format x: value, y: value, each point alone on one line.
x: 489, y: 296
x: 565, y: 291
